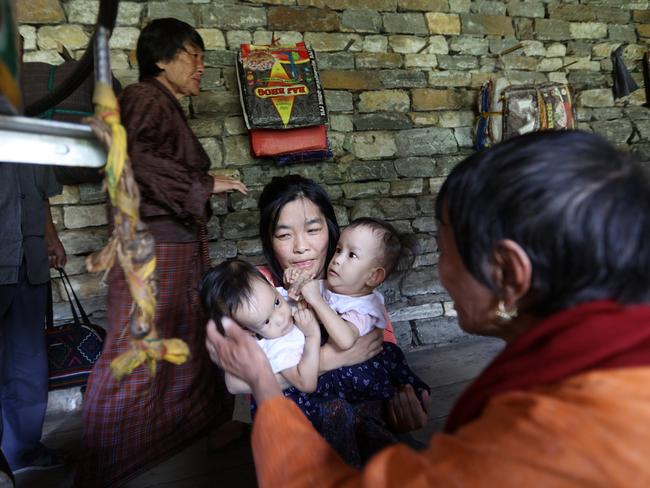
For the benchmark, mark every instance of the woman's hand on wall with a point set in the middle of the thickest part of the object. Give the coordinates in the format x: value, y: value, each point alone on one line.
x: 225, y: 184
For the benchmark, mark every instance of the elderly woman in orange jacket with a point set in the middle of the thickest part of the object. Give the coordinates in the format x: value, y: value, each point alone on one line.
x: 544, y: 241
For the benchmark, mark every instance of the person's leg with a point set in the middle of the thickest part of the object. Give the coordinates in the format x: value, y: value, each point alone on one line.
x: 7, y: 294
x: 24, y: 382
x: 400, y: 372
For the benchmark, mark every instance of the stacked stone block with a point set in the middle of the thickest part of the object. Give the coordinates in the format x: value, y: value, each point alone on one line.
x: 401, y: 79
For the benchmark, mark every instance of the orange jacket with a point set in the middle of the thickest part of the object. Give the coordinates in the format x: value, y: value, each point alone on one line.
x: 589, y: 430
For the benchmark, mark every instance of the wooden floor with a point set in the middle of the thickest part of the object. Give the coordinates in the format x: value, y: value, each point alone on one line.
x: 448, y: 370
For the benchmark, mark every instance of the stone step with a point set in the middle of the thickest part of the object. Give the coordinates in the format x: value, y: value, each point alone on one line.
x: 64, y: 400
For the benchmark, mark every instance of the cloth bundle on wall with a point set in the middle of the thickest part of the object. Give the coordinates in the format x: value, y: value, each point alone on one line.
x: 283, y: 103
x: 624, y: 84
x: 506, y: 111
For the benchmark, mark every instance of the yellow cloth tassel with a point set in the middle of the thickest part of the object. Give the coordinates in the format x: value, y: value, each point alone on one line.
x: 149, y: 351
x: 134, y: 248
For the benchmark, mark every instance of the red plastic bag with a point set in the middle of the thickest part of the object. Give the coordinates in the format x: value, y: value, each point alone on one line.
x: 274, y: 142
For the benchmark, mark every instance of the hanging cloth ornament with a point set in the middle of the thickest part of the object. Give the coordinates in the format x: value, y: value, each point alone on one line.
x: 624, y: 84
x: 131, y: 246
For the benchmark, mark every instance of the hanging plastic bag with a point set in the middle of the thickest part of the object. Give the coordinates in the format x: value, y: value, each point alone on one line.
x: 279, y: 87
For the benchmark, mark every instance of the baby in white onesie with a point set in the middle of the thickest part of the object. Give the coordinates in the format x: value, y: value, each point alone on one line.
x: 349, y: 306
x: 290, y: 340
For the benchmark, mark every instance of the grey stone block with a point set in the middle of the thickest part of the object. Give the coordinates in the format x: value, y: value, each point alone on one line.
x: 402, y: 78
x: 424, y: 142
x: 382, y: 121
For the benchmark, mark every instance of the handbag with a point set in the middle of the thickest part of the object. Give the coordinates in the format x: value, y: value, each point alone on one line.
x: 72, y: 348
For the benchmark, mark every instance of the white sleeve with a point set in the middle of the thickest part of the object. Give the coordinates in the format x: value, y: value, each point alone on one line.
x: 364, y: 322
x: 284, y: 352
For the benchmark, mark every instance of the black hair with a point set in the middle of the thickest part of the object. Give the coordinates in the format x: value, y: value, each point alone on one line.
x: 161, y: 40
x: 577, y: 206
x: 226, y: 287
x: 276, y: 194
x: 398, y: 251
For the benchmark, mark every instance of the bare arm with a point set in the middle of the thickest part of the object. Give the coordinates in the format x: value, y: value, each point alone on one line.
x: 237, y: 353
x: 343, y: 334
x: 237, y: 386
x: 304, y: 375
x: 55, y: 250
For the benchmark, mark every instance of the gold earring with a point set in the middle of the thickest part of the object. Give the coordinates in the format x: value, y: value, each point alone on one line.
x: 504, y: 314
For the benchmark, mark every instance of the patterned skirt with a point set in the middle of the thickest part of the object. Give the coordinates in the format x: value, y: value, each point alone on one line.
x: 131, y: 425
x: 348, y: 405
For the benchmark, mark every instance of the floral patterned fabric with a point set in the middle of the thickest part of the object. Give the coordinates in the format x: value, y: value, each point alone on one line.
x: 348, y: 405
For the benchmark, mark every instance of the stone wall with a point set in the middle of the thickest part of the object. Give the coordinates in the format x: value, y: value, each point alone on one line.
x: 401, y: 80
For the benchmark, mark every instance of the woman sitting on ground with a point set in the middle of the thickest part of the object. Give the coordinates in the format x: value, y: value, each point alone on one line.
x: 544, y: 241
x: 299, y: 229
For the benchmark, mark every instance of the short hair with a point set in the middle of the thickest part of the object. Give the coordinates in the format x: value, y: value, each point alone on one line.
x: 276, y: 194
x: 161, y: 40
x: 398, y: 249
x: 577, y: 206
x: 224, y: 288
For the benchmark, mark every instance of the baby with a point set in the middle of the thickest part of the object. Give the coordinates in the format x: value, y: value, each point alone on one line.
x: 349, y: 306
x: 237, y: 289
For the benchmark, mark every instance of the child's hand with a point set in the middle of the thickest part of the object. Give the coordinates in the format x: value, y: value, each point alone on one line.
x: 306, y: 322
x: 298, y: 280
x: 290, y: 276
x: 310, y: 290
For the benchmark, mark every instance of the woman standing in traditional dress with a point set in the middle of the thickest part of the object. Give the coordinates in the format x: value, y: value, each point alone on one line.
x: 138, y: 422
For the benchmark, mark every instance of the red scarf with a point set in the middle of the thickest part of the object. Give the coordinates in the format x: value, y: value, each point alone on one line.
x: 590, y: 336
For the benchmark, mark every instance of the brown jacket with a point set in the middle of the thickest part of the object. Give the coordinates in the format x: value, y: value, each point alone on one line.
x: 589, y: 430
x: 169, y: 163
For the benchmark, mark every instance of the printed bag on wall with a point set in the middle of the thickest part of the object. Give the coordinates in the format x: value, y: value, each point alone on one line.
x: 532, y: 108
x: 506, y: 111
x: 279, y: 87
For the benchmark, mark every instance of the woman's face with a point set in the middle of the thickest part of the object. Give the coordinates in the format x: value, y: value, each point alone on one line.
x: 300, y: 237
x: 182, y: 74
x: 474, y: 302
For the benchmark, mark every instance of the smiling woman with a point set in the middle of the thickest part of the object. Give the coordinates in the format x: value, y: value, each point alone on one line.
x: 299, y: 229
x: 544, y: 242
x: 298, y: 226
